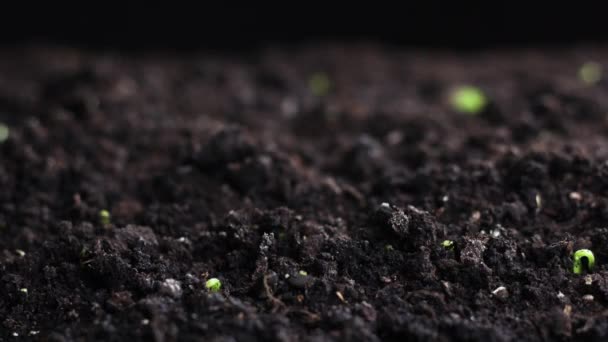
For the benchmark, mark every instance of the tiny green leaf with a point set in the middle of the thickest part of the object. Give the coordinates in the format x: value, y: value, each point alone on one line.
x: 104, y: 217
x: 213, y: 285
x: 319, y: 84
x: 303, y: 273
x: 4, y: 132
x: 578, y: 260
x: 468, y: 99
x: 448, y: 244
x: 590, y: 73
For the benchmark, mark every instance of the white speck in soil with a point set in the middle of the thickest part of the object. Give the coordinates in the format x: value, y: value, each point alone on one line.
x: 588, y: 298
x: 171, y: 287
x: 575, y: 196
x: 394, y: 137
x: 501, y: 292
x: 289, y: 108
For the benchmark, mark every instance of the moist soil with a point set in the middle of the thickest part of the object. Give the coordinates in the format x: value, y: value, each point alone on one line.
x: 322, y: 213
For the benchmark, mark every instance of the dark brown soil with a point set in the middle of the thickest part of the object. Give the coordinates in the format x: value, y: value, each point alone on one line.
x: 230, y: 167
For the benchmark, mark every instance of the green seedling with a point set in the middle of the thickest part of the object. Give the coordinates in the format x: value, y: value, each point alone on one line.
x: 303, y: 273
x: 104, y: 217
x: 319, y: 84
x: 389, y: 248
x: 213, y: 285
x: 4, y: 132
x: 590, y: 73
x: 448, y: 244
x: 579, y: 257
x: 468, y: 99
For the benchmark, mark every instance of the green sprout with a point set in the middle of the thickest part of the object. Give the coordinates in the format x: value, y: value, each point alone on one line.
x: 213, y: 285
x: 104, y: 217
x: 4, y: 132
x: 448, y: 244
x: 389, y: 248
x: 319, y: 84
x: 303, y: 273
x: 468, y: 100
x: 578, y: 260
x: 590, y: 73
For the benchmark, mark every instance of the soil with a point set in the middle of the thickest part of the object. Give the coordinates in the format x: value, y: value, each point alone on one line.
x: 323, y: 215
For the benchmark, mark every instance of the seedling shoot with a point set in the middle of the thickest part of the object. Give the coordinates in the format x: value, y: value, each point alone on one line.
x: 213, y: 285
x: 590, y: 73
x: 448, y: 244
x: 319, y: 84
x: 469, y: 100
x: 4, y: 132
x: 104, y: 217
x: 582, y: 257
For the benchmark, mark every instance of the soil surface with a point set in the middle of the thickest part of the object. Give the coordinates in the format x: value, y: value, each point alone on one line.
x: 322, y: 211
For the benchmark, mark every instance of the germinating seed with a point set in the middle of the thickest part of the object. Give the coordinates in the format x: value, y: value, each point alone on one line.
x: 319, y: 84
x: 213, y: 285
x: 590, y: 73
x: 104, y: 217
x: 579, y: 256
x: 468, y: 99
x: 4, y: 132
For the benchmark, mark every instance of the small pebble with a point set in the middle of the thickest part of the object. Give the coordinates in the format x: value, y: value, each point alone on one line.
x: 575, y: 196
x: 300, y: 281
x: 289, y: 107
x: 501, y: 292
x: 394, y: 137
x: 560, y: 295
x: 340, y: 296
x: 588, y: 298
x: 588, y: 280
x: 171, y: 287
x: 475, y: 216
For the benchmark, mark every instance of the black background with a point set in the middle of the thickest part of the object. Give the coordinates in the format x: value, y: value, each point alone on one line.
x: 428, y: 24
